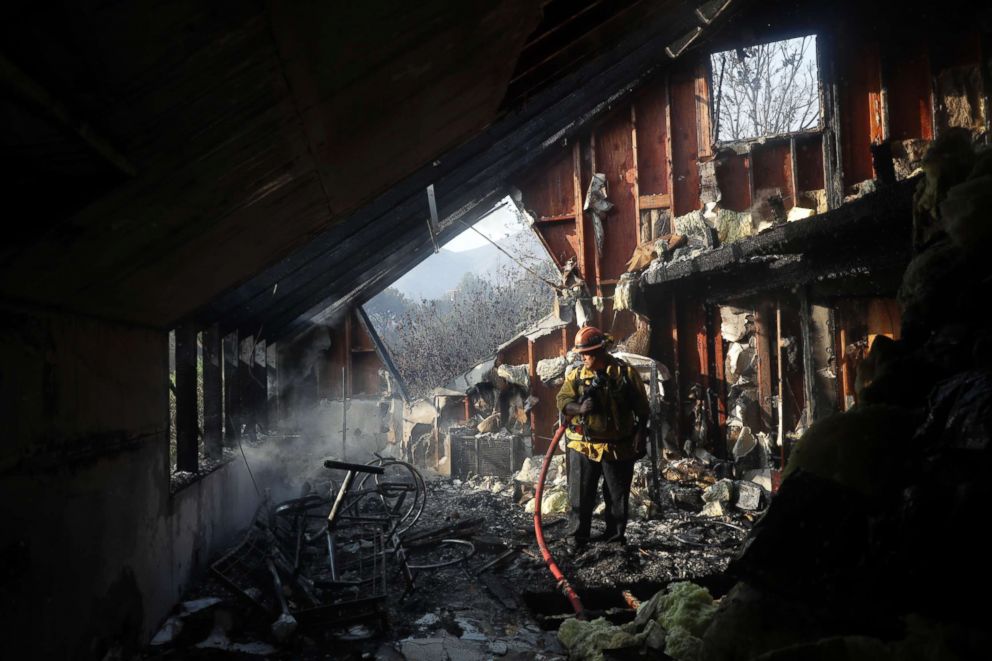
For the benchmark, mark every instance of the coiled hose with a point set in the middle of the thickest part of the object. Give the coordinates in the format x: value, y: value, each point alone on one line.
x: 553, y: 567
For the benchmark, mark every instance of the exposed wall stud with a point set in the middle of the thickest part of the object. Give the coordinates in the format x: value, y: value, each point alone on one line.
x: 704, y: 122
x: 213, y: 423
x: 764, y: 320
x: 668, y: 149
x: 809, y: 375
x: 246, y: 357
x: 635, y: 186
x: 676, y: 372
x: 580, y: 223
x: 232, y: 394
x: 793, y: 172
x: 833, y: 169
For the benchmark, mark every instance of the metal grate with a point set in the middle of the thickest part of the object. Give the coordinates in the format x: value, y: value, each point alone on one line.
x: 362, y: 558
x: 498, y: 454
x: 243, y: 568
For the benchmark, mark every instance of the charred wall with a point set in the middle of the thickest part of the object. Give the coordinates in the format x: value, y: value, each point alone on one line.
x: 96, y: 548
x: 885, y: 95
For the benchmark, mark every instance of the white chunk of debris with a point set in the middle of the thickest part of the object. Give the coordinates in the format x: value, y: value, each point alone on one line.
x: 197, y: 605
x: 550, y: 370
x: 516, y: 374
x: 746, y: 442
x: 762, y: 477
x: 712, y: 509
x: 284, y: 627
x: 733, y: 323
x: 470, y: 630
x: 530, y: 470
x: 721, y: 492
x: 170, y: 630
x: 427, y: 620
x: 799, y: 213
x: 553, y: 501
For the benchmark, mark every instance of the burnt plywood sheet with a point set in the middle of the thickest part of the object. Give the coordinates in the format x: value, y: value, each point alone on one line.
x: 909, y: 95
x: 685, y: 148
x: 652, y: 140
x: 772, y: 165
x: 614, y: 153
x: 860, y: 105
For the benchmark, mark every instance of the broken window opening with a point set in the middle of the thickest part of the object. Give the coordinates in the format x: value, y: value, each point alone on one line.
x: 188, y: 457
x: 765, y: 90
x: 458, y: 306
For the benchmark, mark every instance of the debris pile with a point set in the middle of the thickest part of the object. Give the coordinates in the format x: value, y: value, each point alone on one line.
x: 551, y: 371
x: 554, y: 500
x: 855, y: 557
x: 738, y: 328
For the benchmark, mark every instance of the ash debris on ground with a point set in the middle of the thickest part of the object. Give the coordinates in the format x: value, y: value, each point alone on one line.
x: 483, y: 607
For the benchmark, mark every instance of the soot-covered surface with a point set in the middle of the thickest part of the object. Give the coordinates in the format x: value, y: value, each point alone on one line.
x: 508, y: 610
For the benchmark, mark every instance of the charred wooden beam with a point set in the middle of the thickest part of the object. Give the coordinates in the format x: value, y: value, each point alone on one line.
x: 186, y: 414
x: 35, y: 94
x: 273, y: 411
x: 232, y: 395
x: 676, y: 370
x: 212, y: 392
x: 259, y: 385
x: 246, y: 418
x: 764, y: 321
x: 833, y: 168
x: 382, y: 351
x: 809, y: 368
x: 718, y: 369
x: 463, y: 176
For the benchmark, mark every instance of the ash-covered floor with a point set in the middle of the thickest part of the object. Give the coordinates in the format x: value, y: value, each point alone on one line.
x: 501, y: 602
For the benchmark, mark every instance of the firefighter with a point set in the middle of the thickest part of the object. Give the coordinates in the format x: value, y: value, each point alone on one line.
x: 607, y: 412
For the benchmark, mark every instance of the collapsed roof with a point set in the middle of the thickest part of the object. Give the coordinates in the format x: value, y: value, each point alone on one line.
x: 251, y: 163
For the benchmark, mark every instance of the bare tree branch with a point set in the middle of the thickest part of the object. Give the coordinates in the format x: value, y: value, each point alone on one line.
x: 766, y: 89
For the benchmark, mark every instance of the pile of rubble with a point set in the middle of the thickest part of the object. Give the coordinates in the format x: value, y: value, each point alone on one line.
x: 859, y: 555
x: 478, y: 605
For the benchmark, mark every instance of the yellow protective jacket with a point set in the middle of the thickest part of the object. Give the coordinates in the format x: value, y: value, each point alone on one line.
x: 607, y: 432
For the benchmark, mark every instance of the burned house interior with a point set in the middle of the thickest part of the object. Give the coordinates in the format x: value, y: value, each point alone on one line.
x: 774, y: 209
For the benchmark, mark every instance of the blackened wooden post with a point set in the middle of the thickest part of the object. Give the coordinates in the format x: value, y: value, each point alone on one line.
x: 809, y: 370
x: 213, y: 422
x: 259, y: 384
x: 718, y: 382
x: 676, y: 373
x: 232, y: 400
x: 246, y: 356
x: 833, y: 164
x: 186, y: 428
x: 764, y: 321
x: 273, y: 414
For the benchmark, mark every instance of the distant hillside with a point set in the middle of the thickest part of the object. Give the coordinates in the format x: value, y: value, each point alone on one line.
x: 441, y: 272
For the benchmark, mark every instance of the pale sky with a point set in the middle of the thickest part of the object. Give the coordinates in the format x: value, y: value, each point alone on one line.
x: 500, y: 224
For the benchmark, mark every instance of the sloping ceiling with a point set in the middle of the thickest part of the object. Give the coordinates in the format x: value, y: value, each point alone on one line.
x: 249, y: 162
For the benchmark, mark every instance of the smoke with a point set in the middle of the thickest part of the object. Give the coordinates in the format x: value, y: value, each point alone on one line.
x: 311, y: 423
x: 291, y: 463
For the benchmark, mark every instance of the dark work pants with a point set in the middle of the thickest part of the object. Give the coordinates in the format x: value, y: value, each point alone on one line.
x: 583, y: 480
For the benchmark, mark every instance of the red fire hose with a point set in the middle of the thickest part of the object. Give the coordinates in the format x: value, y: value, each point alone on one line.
x: 563, y: 583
